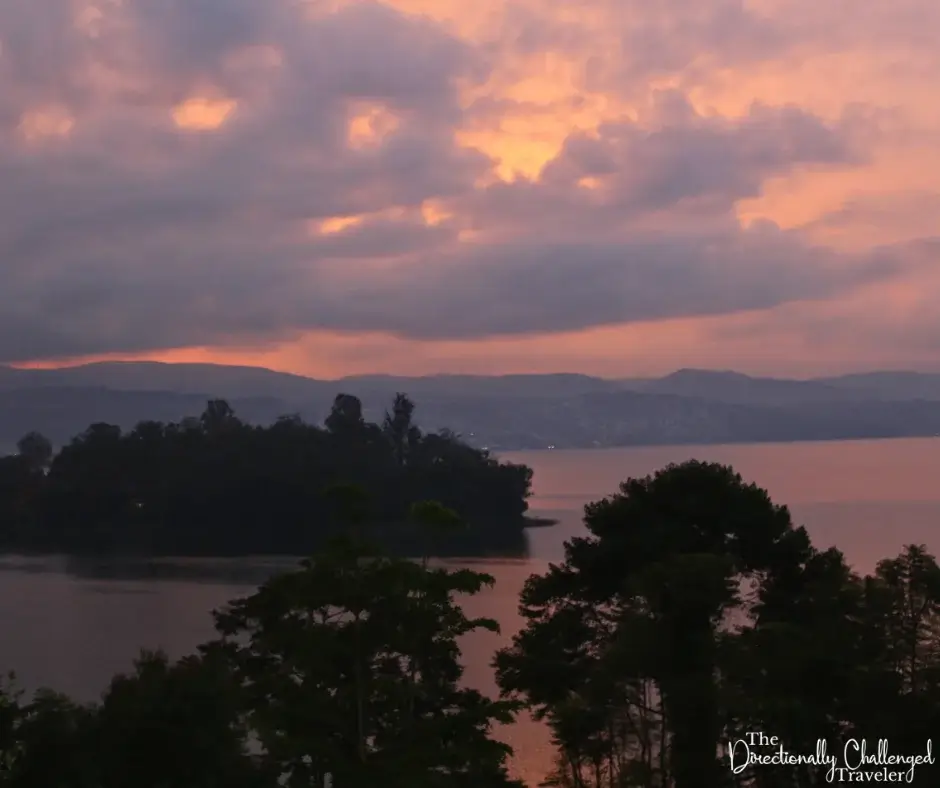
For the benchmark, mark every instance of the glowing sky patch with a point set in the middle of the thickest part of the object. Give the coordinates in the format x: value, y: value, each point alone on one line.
x: 507, y: 185
x: 336, y: 224
x: 46, y: 123
x: 202, y: 114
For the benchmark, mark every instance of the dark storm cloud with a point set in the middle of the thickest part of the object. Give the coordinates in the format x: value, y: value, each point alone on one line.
x: 130, y: 234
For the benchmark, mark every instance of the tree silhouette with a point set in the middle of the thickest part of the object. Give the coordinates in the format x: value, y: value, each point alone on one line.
x: 214, y: 485
x: 361, y: 650
x: 36, y: 449
x: 398, y: 428
x: 218, y: 416
x: 345, y: 416
x: 665, y: 557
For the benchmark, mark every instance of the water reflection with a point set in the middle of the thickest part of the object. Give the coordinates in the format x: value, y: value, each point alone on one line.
x: 249, y: 571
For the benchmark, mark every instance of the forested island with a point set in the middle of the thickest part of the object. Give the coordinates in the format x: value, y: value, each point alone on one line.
x: 214, y: 485
x: 691, y: 617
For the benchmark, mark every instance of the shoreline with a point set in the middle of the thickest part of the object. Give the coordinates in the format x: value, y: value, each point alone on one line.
x: 526, y: 523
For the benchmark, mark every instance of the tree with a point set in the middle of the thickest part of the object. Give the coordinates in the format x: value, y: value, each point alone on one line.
x: 9, y: 719
x: 350, y: 669
x: 435, y: 520
x: 164, y: 724
x: 806, y: 667
x: 53, y: 745
x: 901, y: 665
x: 666, y: 557
x: 346, y: 415
x: 911, y: 583
x: 191, y: 424
x: 179, y: 723
x: 399, y: 430
x: 36, y: 449
x: 217, y: 486
x: 218, y: 416
x: 350, y: 506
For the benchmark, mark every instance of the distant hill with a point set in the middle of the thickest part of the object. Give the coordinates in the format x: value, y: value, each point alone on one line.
x: 222, y: 380
x: 215, y: 379
x: 503, y: 412
x: 890, y: 385
x: 553, y: 385
x: 61, y: 412
x: 742, y: 389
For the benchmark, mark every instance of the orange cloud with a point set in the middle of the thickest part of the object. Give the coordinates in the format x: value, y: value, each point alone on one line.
x: 369, y: 124
x: 49, y: 122
x: 202, y: 114
x: 418, y: 185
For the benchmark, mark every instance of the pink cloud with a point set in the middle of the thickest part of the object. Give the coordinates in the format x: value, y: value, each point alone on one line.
x: 167, y: 165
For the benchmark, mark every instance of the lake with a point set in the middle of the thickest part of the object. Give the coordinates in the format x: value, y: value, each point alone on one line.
x: 72, y: 624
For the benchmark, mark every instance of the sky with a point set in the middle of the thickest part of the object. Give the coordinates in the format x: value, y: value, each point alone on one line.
x: 615, y: 187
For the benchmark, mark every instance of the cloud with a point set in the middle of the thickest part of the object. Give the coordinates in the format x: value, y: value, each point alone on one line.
x: 891, y: 323
x: 678, y: 156
x: 531, y: 287
x: 234, y: 172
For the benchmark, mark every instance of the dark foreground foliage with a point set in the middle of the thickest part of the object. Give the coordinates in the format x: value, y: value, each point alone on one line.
x: 345, y: 672
x: 694, y: 612
x: 691, y: 613
x: 217, y: 486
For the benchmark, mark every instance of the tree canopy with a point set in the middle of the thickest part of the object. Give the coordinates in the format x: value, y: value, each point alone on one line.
x: 345, y: 672
x: 693, y: 612
x: 215, y: 485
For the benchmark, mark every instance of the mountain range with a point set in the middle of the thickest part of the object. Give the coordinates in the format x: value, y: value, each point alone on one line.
x: 501, y: 412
